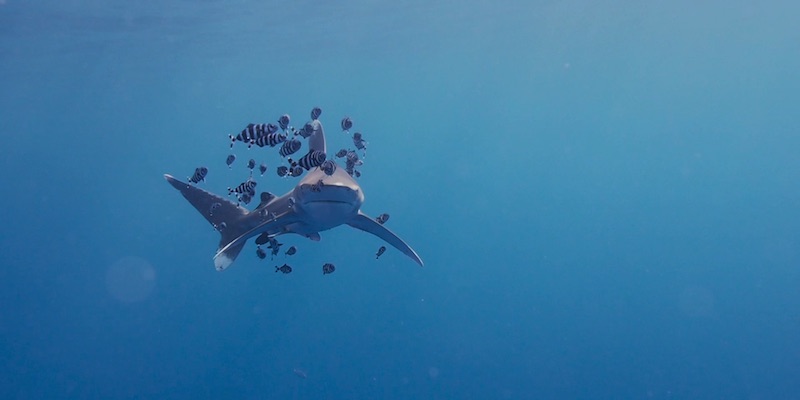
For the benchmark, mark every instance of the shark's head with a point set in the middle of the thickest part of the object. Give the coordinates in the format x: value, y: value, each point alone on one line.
x: 329, y: 200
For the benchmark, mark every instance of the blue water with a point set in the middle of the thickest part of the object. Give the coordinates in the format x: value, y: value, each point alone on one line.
x: 605, y: 195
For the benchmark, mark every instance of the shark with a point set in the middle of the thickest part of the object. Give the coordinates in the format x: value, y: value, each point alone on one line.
x: 319, y: 202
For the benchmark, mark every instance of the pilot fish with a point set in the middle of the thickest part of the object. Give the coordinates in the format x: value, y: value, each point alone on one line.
x: 315, y: 113
x: 199, y: 175
x: 313, y: 158
x: 347, y: 123
x: 285, y: 268
x: 283, y: 121
x: 328, y: 268
x: 296, y: 171
x: 305, y: 131
x: 250, y: 133
x: 282, y: 170
x: 381, y: 219
x: 247, y: 186
x: 270, y: 140
x: 359, y: 142
x: 290, y: 147
x: 328, y: 167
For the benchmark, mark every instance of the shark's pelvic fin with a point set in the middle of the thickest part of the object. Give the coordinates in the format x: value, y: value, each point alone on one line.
x: 367, y: 224
x: 227, y: 253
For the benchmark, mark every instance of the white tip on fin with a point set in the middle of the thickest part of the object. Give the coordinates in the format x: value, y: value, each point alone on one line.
x: 222, y: 261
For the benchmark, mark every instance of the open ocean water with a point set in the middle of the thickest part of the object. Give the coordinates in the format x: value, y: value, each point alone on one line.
x: 605, y: 194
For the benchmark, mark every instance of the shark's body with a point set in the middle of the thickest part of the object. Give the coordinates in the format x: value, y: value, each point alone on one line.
x: 319, y: 202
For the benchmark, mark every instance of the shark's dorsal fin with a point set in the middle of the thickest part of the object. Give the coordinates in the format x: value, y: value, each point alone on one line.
x: 367, y: 224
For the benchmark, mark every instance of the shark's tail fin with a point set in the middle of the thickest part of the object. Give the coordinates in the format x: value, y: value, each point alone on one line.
x: 225, y: 215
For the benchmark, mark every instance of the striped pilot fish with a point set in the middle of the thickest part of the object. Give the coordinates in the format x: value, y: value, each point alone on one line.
x: 313, y: 158
x: 252, y: 132
x: 290, y: 147
x: 199, y: 175
x: 248, y: 186
x: 270, y: 139
x: 328, y: 167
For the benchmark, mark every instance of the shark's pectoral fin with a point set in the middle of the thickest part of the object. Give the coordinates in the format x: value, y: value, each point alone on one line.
x: 367, y: 224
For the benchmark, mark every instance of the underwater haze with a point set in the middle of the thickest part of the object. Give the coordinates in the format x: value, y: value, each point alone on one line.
x: 605, y: 195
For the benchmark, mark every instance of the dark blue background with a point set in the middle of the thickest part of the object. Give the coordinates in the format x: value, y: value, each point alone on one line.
x: 605, y: 196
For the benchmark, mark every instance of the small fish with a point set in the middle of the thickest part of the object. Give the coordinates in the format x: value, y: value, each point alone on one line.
x: 359, y: 141
x: 291, y: 202
x: 313, y: 158
x: 245, y: 198
x: 261, y: 253
x: 296, y: 171
x: 352, y: 161
x: 221, y: 226
x: 380, y: 252
x: 317, y: 187
x: 341, y: 153
x: 291, y: 251
x: 262, y: 238
x: 290, y: 147
x: 231, y: 158
x: 249, y: 134
x: 315, y: 113
x: 251, y: 165
x: 270, y: 139
x: 328, y: 268
x: 247, y: 186
x: 381, y: 219
x: 283, y: 121
x: 262, y: 168
x: 199, y: 175
x: 282, y: 170
x: 285, y: 268
x: 266, y: 197
x: 212, y: 208
x: 347, y: 123
x: 352, y: 157
x: 328, y: 167
x: 306, y: 131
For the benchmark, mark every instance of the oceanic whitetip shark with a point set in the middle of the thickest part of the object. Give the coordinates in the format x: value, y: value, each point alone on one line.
x: 309, y: 208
